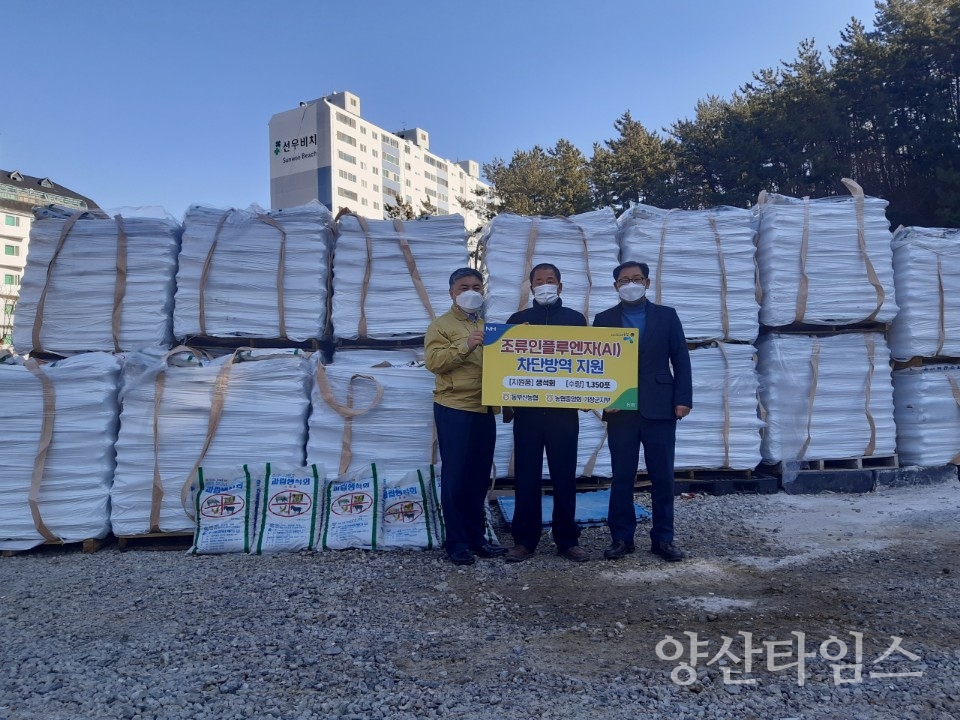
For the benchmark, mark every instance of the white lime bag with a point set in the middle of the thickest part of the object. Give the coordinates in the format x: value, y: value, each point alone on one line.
x: 353, y: 511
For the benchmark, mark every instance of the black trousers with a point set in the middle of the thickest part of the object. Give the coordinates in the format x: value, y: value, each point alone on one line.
x: 554, y: 430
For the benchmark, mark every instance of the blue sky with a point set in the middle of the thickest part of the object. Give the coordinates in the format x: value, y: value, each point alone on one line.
x: 137, y: 103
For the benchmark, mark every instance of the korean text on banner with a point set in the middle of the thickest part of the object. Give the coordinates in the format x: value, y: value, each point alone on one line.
x: 559, y: 366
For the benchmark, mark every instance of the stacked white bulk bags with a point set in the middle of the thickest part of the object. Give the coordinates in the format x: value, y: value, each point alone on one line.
x: 928, y: 414
x: 926, y: 263
x: 254, y: 274
x: 369, y: 411
x: 826, y: 397
x: 60, y: 425
x: 723, y: 431
x: 584, y: 247
x: 825, y: 261
x: 702, y: 263
x: 180, y: 411
x: 95, y: 283
x: 391, y: 278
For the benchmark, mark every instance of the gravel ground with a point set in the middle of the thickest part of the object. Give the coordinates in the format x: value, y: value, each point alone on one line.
x: 146, y: 634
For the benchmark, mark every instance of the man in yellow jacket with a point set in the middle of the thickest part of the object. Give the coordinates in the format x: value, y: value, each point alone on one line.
x: 466, y: 429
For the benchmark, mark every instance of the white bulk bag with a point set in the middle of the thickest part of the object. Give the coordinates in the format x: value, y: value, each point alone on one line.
x: 180, y: 411
x: 701, y: 263
x: 583, y: 247
x: 391, y: 278
x: 826, y: 397
x: 365, y: 412
x: 60, y: 425
x: 927, y: 407
x: 93, y: 283
x: 255, y: 274
x: 926, y: 264
x: 825, y: 261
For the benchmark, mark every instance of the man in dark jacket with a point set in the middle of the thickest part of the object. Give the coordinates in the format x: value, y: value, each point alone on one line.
x: 555, y: 430
x: 664, y: 397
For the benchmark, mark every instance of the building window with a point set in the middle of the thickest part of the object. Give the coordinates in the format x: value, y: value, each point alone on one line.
x: 348, y: 139
x: 376, y: 171
x: 346, y: 120
x: 363, y: 148
x: 9, y: 279
x: 9, y: 309
x: 343, y: 192
x: 408, y: 183
x: 363, y: 201
x: 376, y: 188
x: 12, y: 221
x: 11, y: 250
x: 374, y: 136
x: 363, y: 130
x: 346, y: 158
x: 391, y: 158
x: 376, y: 205
x: 407, y: 166
x: 348, y: 176
x: 376, y: 154
x: 406, y: 149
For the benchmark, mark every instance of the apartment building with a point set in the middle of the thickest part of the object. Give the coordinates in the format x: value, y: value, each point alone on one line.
x: 325, y: 150
x: 19, y: 194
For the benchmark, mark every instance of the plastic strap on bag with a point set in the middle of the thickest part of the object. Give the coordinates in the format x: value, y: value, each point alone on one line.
x: 586, y: 267
x: 663, y: 242
x: 726, y: 405
x: 528, y: 263
x: 367, y: 270
x: 217, y: 401
x: 412, y: 269
x: 46, y: 437
x: 857, y: 193
x: 815, y: 365
x: 38, y: 318
x: 347, y: 411
x: 724, y: 315
x: 871, y: 352
x: 942, y: 325
x: 120, y: 283
x: 592, y: 462
x: 803, y: 289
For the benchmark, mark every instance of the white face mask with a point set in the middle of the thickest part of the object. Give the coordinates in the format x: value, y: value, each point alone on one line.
x: 632, y: 292
x: 546, y: 294
x: 470, y: 301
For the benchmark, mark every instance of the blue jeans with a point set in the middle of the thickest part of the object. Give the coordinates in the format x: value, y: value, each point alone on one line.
x: 554, y: 430
x: 626, y: 432
x: 467, y: 441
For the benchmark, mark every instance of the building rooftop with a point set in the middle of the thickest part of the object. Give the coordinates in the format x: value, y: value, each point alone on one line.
x: 22, y: 193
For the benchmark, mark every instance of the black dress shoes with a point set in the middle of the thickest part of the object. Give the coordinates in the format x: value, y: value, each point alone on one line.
x: 668, y: 551
x: 489, y: 550
x: 461, y: 557
x: 617, y: 549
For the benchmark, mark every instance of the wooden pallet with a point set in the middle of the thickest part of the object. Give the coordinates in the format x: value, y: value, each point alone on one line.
x: 709, y: 481
x: 371, y: 344
x: 857, y: 463
x: 812, y: 329
x: 155, y: 541
x: 915, y: 362
x: 91, y: 545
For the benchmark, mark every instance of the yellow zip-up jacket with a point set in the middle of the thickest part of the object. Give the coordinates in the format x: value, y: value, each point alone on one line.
x: 458, y: 371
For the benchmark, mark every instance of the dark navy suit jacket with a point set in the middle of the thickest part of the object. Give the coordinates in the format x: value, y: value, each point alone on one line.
x: 663, y: 345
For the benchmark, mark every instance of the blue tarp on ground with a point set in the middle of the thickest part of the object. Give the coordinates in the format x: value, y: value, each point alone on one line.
x: 591, y: 508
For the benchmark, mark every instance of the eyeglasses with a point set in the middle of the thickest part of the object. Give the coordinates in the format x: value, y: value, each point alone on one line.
x: 623, y: 282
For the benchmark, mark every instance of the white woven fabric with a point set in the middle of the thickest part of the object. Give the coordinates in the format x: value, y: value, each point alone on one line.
x: 264, y: 419
x: 840, y: 290
x: 826, y: 397
x: 74, y: 493
x: 926, y: 264
x: 395, y: 431
x: 584, y: 247
x: 701, y: 263
x: 723, y: 430
x: 375, y: 282
x: 927, y: 407
x: 242, y: 291
x: 81, y: 284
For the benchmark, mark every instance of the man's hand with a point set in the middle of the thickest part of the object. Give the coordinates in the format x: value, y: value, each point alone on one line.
x: 474, y: 340
x: 507, y: 414
x: 681, y: 411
